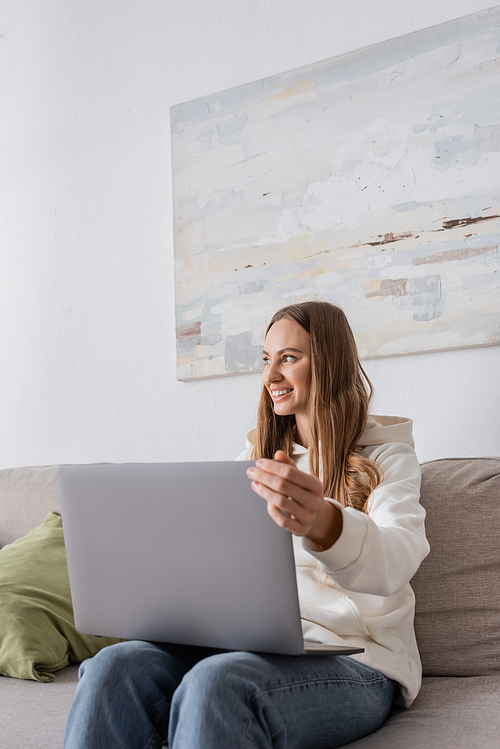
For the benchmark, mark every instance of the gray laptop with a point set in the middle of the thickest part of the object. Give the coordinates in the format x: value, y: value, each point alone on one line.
x: 182, y: 553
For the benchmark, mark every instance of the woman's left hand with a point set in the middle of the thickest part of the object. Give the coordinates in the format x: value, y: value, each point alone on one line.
x: 295, y: 500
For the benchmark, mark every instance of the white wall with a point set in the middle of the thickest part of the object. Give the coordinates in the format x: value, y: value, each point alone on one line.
x: 87, y: 351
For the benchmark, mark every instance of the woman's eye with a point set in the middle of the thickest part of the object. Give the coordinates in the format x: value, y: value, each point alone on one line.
x: 286, y: 358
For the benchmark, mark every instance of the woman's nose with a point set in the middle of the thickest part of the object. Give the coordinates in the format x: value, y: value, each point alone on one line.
x: 272, y: 373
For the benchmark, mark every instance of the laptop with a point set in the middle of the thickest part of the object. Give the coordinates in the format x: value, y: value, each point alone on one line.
x: 182, y: 553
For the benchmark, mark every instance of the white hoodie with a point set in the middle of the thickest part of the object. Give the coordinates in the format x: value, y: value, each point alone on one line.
x: 365, y: 598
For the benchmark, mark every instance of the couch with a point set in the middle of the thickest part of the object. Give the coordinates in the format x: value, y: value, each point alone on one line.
x: 457, y: 619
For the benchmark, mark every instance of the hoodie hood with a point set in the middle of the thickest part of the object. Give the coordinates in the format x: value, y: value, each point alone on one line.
x: 378, y: 431
x: 382, y: 429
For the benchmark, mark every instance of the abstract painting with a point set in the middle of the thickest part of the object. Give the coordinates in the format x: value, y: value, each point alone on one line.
x: 370, y: 180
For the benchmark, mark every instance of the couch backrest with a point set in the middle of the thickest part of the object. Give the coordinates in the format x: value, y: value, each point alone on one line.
x: 26, y: 496
x: 457, y: 587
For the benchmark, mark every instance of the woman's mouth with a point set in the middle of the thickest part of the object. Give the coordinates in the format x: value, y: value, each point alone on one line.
x: 279, y: 395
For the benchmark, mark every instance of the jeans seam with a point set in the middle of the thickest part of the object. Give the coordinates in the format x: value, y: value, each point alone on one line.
x: 151, y: 744
x: 335, y: 679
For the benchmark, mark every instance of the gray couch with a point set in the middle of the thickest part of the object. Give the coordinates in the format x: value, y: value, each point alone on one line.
x: 457, y: 621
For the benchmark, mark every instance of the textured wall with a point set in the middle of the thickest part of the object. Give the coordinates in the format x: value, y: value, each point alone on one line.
x: 86, y: 264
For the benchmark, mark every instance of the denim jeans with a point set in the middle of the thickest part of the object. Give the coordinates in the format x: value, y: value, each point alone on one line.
x: 140, y: 694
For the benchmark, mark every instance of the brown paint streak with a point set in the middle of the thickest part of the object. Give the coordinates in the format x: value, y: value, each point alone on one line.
x: 391, y: 287
x: 466, y: 221
x: 463, y: 254
x: 188, y: 330
x: 391, y: 237
x: 450, y: 224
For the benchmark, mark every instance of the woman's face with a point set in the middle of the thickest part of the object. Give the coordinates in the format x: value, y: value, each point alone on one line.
x: 287, y: 367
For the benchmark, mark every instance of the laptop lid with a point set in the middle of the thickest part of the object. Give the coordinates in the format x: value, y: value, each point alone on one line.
x: 178, y: 552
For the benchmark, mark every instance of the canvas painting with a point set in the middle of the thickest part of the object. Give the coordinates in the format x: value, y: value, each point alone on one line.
x: 370, y: 180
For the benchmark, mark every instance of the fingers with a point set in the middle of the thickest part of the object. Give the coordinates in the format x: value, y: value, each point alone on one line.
x: 285, y: 511
x: 283, y: 502
x: 283, y: 457
x: 294, y: 498
x: 289, y: 522
x: 288, y: 472
x: 290, y: 504
x: 279, y: 485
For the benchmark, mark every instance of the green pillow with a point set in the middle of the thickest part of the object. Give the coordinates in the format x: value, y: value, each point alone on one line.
x: 37, y: 628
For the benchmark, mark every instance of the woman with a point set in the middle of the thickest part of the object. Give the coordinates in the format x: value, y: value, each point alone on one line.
x: 346, y: 486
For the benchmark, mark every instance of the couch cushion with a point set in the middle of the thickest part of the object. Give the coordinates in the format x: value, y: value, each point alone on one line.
x: 457, y: 620
x: 33, y: 714
x: 26, y: 496
x: 449, y: 713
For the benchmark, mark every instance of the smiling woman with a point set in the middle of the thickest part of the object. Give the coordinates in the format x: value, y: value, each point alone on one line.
x: 345, y: 485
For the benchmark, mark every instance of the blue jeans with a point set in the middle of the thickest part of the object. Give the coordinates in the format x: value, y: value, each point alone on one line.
x: 140, y: 694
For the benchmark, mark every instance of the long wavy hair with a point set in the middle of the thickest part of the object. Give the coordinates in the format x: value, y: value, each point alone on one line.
x: 340, y: 394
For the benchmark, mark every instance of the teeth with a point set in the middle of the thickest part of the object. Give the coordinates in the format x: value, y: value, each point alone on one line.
x: 281, y: 392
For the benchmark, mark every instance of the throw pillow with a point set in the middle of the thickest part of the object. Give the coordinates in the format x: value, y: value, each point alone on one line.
x: 37, y: 628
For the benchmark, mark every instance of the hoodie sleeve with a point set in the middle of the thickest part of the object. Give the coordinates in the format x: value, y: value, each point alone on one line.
x: 380, y: 552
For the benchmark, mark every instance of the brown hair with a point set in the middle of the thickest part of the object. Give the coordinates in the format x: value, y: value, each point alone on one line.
x: 338, y: 407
